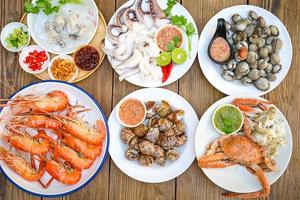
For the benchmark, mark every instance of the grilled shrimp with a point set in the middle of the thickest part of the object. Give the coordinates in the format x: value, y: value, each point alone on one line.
x: 72, y: 157
x: 35, y: 121
x: 51, y: 102
x: 81, y: 130
x: 25, y: 142
x: 63, y: 173
x: 87, y: 150
x: 21, y: 166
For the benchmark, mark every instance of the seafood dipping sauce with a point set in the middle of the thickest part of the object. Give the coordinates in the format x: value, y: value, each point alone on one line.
x: 228, y: 119
x: 131, y: 112
x: 87, y: 58
x: 166, y: 34
x: 220, y: 50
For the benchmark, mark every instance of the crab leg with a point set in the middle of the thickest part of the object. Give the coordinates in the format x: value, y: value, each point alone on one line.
x: 247, y: 104
x: 264, y: 182
x: 218, y: 160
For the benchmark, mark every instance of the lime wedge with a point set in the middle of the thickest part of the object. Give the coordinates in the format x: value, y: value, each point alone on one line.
x: 163, y: 59
x: 179, y: 55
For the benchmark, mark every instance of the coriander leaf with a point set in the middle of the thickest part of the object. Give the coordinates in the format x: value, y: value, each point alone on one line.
x: 55, y: 8
x: 170, y: 46
x: 190, y: 29
x: 41, y: 5
x: 28, y: 7
x: 170, y: 4
x: 48, y: 10
x: 178, y: 20
x: 176, y: 41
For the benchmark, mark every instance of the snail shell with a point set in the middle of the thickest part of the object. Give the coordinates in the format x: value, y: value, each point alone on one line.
x: 153, y: 134
x: 172, y: 154
x: 181, y: 140
x: 164, y: 124
x: 164, y: 109
x: 146, y: 160
x: 127, y: 135
x: 131, y: 154
x: 146, y: 147
x: 140, y: 130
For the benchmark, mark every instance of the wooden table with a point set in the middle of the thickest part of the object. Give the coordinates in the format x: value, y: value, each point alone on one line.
x: 104, y: 85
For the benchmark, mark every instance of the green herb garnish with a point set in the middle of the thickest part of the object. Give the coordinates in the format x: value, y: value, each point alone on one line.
x: 173, y: 44
x: 18, y: 38
x: 189, y: 28
x: 46, y: 6
x: 170, y: 4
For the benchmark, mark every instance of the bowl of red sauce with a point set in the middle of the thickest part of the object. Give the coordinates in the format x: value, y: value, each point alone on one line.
x: 131, y: 112
x: 34, y: 59
x: 167, y: 34
x: 87, y: 58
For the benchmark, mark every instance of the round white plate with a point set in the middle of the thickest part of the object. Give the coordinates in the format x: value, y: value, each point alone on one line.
x: 178, y: 70
x: 75, y: 94
x: 155, y: 173
x: 88, y: 14
x: 8, y: 29
x: 25, y: 52
x: 237, y: 178
x: 212, y: 71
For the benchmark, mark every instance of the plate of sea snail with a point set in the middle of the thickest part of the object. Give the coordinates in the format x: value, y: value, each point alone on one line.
x: 261, y: 51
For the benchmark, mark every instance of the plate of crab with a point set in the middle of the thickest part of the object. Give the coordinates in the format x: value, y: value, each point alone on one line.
x: 246, y: 160
x: 54, y: 138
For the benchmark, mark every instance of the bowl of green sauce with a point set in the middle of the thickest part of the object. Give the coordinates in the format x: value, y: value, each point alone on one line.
x: 228, y: 119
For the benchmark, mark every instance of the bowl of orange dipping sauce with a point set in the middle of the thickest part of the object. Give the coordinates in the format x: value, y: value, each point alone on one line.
x: 131, y: 112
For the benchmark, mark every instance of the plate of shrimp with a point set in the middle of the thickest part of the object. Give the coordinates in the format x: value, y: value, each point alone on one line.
x: 54, y: 138
x: 248, y: 162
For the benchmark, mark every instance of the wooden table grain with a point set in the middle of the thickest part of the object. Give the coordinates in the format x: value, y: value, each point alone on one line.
x: 111, y: 183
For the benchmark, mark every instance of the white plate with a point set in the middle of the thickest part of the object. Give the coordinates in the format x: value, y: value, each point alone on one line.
x: 212, y: 71
x: 236, y: 178
x: 88, y: 13
x: 155, y: 173
x: 178, y: 70
x: 75, y: 94
x: 8, y: 29
x: 25, y: 53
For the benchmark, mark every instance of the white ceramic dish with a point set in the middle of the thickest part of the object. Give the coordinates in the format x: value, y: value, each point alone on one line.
x: 242, y: 116
x: 75, y: 94
x: 9, y: 29
x: 237, y: 178
x: 25, y: 53
x: 155, y: 173
x: 178, y: 70
x: 67, y: 57
x: 118, y: 116
x: 212, y: 71
x: 88, y: 13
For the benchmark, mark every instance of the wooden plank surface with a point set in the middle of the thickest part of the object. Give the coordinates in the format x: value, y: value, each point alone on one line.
x: 111, y: 183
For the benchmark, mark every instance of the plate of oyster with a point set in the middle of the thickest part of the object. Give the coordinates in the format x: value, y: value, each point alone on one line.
x: 64, y: 32
x: 162, y: 147
x: 261, y: 56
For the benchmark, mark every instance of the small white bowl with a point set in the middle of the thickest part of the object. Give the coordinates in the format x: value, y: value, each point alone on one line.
x: 25, y: 53
x: 118, y: 117
x: 67, y: 57
x: 172, y: 26
x: 231, y: 105
x: 9, y: 29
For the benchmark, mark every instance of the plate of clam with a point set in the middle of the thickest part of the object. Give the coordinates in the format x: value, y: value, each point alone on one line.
x: 151, y: 43
x: 63, y: 32
x: 54, y: 138
x: 245, y: 49
x: 152, y: 134
x: 243, y: 144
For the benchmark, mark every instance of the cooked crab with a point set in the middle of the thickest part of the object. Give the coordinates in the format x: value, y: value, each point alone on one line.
x: 238, y: 149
